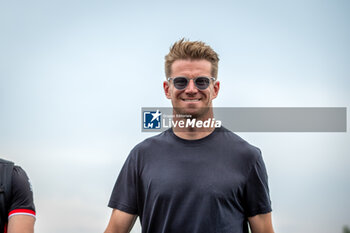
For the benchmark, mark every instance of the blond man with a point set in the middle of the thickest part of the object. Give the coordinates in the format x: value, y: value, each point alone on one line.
x: 192, y: 180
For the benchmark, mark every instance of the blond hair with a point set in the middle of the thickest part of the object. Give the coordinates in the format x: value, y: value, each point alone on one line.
x: 192, y: 50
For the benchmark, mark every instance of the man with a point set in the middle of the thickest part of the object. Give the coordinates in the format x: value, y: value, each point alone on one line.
x: 190, y: 180
x: 16, y: 200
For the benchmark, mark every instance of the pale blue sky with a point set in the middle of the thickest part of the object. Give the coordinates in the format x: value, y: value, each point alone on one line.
x: 75, y: 74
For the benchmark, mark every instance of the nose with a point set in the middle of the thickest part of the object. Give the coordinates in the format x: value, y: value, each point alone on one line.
x: 191, y: 87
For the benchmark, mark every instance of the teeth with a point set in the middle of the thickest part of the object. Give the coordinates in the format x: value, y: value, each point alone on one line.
x: 192, y: 100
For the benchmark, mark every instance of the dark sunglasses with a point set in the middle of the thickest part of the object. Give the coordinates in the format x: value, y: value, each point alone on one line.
x: 201, y: 83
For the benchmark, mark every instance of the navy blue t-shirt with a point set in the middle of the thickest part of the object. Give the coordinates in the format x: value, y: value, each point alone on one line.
x: 210, y: 185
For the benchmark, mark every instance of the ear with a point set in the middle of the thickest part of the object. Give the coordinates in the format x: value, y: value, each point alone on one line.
x: 167, y: 89
x: 216, y: 89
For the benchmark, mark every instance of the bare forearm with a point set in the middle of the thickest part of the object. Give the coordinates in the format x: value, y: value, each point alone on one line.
x: 263, y: 231
x: 120, y: 222
x: 117, y: 229
x: 261, y: 223
x: 21, y: 224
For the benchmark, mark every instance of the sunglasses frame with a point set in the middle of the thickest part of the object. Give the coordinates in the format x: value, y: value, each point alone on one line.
x: 188, y: 81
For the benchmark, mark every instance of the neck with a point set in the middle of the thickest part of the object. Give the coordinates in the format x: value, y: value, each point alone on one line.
x: 193, y: 133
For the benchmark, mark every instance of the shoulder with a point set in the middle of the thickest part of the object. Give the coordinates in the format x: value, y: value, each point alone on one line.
x: 6, y: 167
x: 241, y: 147
x: 4, y: 161
x: 19, y: 176
x: 149, y: 144
x: 21, y: 186
x: 17, y: 172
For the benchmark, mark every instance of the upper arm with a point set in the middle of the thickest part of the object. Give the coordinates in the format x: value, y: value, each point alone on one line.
x: 261, y: 223
x: 21, y: 224
x: 120, y: 222
x: 256, y: 196
x: 21, y: 193
x: 21, y: 212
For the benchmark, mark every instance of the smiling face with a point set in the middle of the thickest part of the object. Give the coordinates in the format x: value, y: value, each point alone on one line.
x: 191, y: 100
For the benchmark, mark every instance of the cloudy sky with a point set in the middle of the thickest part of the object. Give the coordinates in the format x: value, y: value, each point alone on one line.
x: 75, y: 74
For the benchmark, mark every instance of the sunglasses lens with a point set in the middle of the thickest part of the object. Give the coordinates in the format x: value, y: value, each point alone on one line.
x: 180, y: 83
x: 202, y: 82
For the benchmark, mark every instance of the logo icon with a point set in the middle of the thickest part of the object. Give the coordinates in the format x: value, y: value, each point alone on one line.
x: 152, y: 119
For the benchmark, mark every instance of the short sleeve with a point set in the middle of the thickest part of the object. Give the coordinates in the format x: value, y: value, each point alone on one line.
x: 21, y: 194
x: 256, y: 192
x: 124, y: 194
